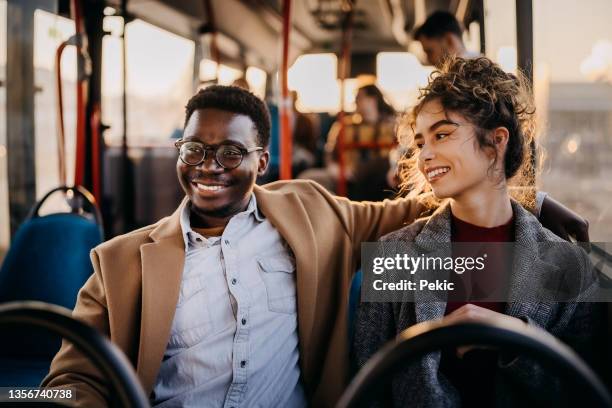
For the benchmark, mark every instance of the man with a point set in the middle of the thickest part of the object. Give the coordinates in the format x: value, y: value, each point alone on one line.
x: 441, y: 38
x: 240, y: 297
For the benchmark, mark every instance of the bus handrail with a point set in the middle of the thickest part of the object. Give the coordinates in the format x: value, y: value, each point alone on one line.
x: 431, y: 336
x: 345, y: 62
x: 104, y: 354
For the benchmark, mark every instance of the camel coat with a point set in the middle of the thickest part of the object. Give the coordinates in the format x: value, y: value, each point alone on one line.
x: 132, y: 295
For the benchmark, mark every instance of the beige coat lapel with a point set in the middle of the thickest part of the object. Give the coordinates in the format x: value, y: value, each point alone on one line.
x: 162, y: 269
x: 287, y: 214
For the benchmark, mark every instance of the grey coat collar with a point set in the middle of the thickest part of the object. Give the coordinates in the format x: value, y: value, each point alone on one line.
x: 528, y: 269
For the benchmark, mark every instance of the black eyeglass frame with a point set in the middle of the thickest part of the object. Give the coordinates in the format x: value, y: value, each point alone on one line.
x: 179, y: 143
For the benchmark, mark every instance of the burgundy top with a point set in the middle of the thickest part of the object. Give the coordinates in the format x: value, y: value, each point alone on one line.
x: 498, y: 264
x: 474, y: 375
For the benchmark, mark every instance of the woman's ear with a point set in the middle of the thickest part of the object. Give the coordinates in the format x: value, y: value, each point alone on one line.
x: 500, y: 139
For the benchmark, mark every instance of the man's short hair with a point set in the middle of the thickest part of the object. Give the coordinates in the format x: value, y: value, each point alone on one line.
x: 236, y: 100
x: 437, y: 25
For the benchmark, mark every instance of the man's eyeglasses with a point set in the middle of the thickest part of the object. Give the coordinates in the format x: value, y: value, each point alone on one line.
x: 228, y: 156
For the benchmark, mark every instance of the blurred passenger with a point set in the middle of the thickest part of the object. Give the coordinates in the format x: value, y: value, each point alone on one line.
x: 471, y: 132
x: 365, y: 164
x: 304, y: 147
x: 441, y: 38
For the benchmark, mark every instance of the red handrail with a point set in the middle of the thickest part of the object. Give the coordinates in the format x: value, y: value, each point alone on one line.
x: 345, y: 63
x: 214, y: 49
x: 285, y: 105
x: 61, y: 136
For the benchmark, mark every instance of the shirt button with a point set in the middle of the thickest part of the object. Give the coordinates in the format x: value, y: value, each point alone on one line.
x: 243, y: 321
x: 243, y: 363
x: 234, y: 281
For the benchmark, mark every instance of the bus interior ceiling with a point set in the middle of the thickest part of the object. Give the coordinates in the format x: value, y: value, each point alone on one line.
x: 380, y: 25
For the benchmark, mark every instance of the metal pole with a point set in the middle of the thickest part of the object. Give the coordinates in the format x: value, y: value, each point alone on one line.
x: 524, y: 49
x: 481, y: 24
x: 345, y: 68
x: 127, y: 175
x: 61, y: 137
x: 93, y: 16
x: 82, y: 91
x: 524, y: 37
x: 285, y: 104
x: 212, y: 26
x: 20, y: 135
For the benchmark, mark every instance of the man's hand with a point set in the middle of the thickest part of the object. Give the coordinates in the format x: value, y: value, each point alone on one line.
x: 563, y: 221
x: 470, y: 313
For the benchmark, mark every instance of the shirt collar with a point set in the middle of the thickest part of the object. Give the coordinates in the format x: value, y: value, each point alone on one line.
x: 189, y: 233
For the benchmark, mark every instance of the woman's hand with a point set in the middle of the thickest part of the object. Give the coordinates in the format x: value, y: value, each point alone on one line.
x: 470, y: 313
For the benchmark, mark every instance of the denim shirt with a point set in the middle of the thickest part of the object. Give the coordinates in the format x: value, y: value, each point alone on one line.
x: 234, y: 338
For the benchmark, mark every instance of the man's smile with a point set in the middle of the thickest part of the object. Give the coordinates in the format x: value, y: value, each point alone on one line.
x: 210, y: 187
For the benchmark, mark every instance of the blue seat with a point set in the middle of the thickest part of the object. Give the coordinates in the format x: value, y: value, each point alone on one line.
x: 48, y: 261
x: 354, y: 299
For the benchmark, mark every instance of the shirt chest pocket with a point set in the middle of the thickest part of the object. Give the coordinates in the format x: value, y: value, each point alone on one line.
x: 193, y: 319
x: 278, y: 275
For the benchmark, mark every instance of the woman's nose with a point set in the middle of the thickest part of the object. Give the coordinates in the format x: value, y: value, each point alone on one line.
x: 427, y: 153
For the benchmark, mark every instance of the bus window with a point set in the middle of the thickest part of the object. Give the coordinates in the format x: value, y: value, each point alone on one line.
x: 314, y: 78
x: 225, y: 75
x: 50, y: 30
x: 159, y: 81
x: 500, y: 32
x: 256, y: 77
x: 573, y: 84
x: 4, y: 203
x: 399, y: 75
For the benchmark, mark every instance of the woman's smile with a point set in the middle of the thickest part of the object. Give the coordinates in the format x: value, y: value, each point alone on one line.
x: 434, y: 174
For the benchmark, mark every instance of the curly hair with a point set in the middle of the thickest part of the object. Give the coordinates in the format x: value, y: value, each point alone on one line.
x: 236, y: 100
x: 488, y: 97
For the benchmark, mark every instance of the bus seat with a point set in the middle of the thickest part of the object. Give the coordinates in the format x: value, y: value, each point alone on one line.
x: 354, y: 298
x: 48, y: 261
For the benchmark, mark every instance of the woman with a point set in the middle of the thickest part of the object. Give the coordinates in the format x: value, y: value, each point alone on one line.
x: 470, y: 134
x: 365, y: 165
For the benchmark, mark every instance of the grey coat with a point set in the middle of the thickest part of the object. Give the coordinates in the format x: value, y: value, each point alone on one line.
x: 421, y: 384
